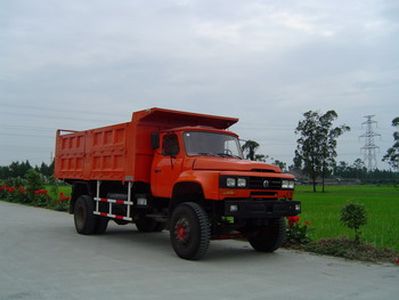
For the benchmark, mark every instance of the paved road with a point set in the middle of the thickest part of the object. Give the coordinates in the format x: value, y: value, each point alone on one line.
x: 41, y: 257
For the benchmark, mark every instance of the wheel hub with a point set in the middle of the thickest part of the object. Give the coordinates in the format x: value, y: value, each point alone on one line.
x: 182, y: 230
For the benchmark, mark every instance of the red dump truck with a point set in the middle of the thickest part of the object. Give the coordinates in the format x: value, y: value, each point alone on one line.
x: 179, y: 171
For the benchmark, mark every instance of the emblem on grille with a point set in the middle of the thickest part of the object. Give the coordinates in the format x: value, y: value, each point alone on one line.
x: 265, y: 183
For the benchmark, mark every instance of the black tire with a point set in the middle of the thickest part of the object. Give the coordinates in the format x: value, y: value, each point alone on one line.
x: 145, y: 224
x: 101, y: 225
x: 189, y: 231
x: 84, y: 219
x: 268, y: 238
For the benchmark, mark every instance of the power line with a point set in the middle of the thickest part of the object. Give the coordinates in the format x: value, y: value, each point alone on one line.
x: 369, y: 148
x: 57, y: 110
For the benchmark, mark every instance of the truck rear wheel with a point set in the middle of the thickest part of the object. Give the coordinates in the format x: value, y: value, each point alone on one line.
x: 85, y: 220
x: 145, y: 224
x: 268, y: 238
x: 189, y: 231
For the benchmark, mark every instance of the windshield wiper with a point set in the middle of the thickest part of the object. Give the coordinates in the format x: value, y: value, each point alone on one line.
x: 228, y: 155
x: 205, y: 154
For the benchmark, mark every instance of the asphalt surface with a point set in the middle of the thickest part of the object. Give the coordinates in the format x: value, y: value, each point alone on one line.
x: 42, y: 257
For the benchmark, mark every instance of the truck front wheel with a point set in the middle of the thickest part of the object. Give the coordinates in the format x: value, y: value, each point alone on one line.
x: 189, y: 231
x: 268, y: 238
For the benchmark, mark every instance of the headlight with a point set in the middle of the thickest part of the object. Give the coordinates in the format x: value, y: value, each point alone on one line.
x: 287, y: 184
x: 284, y: 184
x: 230, y: 182
x: 241, y: 182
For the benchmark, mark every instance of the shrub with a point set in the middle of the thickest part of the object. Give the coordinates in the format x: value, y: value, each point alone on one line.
x: 41, y: 198
x: 35, y: 182
x: 15, y: 181
x: 354, y: 216
x: 62, y: 203
x: 13, y: 194
x: 297, y: 233
x: 3, y: 191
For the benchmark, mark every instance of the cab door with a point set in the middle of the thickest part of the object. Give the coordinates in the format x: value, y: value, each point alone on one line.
x: 167, y: 166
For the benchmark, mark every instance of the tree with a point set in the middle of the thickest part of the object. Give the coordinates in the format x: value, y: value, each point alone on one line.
x: 249, y: 149
x: 307, y: 155
x: 17, y: 169
x: 392, y: 155
x: 329, y: 142
x: 282, y: 165
x: 358, y: 168
x: 316, y: 146
x: 47, y: 170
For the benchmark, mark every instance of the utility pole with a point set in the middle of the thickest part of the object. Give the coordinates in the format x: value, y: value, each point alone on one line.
x: 369, y: 148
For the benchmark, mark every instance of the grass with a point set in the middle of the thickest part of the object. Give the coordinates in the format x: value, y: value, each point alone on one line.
x: 66, y: 189
x: 381, y: 203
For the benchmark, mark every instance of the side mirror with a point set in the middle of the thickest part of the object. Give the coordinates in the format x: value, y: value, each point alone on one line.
x: 154, y: 140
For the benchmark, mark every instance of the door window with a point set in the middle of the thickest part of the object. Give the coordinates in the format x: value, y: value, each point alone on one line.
x: 170, y: 145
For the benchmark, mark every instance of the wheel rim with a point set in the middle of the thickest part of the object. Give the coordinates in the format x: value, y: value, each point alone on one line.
x: 182, y: 231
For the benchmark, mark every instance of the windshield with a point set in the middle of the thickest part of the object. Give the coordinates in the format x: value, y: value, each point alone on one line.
x: 209, y: 143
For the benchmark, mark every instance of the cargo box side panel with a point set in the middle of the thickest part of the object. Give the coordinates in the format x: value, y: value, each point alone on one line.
x: 70, y: 155
x: 106, y: 152
x: 143, y: 152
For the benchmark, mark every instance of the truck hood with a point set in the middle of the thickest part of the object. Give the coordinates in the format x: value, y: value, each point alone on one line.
x: 229, y: 164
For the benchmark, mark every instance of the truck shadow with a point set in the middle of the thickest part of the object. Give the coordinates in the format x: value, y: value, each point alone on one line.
x: 159, y: 243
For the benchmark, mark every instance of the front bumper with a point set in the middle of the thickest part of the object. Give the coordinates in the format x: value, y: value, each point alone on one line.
x: 259, y: 209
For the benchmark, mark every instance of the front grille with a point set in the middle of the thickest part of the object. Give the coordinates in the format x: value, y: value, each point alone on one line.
x: 257, y: 183
x: 272, y: 194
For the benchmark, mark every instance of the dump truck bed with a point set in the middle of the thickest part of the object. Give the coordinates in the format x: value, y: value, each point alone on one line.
x: 121, y: 152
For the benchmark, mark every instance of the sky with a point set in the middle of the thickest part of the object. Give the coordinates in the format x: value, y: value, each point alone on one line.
x: 83, y: 64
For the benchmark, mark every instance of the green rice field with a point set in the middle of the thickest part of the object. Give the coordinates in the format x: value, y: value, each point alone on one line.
x: 322, y: 210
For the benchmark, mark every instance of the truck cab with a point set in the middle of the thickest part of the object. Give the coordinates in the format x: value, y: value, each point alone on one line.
x: 207, y: 166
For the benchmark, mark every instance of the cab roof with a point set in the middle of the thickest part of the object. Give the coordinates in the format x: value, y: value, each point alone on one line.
x: 175, y: 118
x: 202, y: 129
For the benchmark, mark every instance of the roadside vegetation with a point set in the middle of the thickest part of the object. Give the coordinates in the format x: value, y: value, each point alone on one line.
x: 323, y: 211
x: 37, y: 190
x: 355, y: 222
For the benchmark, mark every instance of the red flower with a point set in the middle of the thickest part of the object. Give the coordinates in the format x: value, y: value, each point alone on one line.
x: 396, y: 261
x: 22, y: 190
x: 63, y: 198
x: 293, y: 220
x: 41, y: 192
x: 11, y: 189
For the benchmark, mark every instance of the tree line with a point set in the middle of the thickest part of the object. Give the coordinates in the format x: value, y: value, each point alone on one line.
x: 315, y: 154
x: 20, y: 169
